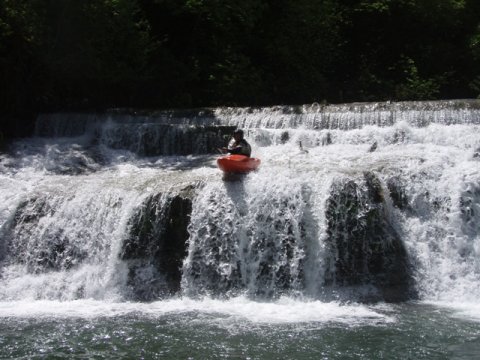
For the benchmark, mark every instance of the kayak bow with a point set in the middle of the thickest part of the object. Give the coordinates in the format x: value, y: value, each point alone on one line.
x: 239, y: 164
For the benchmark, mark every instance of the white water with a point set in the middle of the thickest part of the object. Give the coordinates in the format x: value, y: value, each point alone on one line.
x: 283, y: 311
x: 283, y: 203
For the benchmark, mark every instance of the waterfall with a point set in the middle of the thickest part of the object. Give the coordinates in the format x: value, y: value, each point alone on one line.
x: 352, y: 202
x: 63, y: 239
x: 249, y: 235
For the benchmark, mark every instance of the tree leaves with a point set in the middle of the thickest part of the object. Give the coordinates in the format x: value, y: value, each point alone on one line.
x: 69, y: 54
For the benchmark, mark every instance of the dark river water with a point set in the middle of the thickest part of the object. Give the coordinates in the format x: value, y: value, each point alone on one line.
x: 236, y: 329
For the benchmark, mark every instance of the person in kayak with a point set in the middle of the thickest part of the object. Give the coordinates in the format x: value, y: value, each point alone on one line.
x: 238, y: 145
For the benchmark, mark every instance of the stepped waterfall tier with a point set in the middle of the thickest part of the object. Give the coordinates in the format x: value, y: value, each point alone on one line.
x: 363, y: 214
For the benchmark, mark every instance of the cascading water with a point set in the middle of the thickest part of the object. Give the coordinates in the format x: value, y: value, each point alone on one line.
x: 352, y: 203
x: 249, y: 236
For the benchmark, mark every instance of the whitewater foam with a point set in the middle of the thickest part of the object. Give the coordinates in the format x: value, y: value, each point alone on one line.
x: 95, y: 190
x: 240, y: 309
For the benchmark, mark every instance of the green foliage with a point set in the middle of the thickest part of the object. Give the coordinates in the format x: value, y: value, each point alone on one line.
x: 21, y: 35
x: 70, y: 54
x: 374, y: 6
x: 95, y: 50
x: 414, y: 87
x: 409, y: 49
x: 18, y: 22
x: 474, y: 46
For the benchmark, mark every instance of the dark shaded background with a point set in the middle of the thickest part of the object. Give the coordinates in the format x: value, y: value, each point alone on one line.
x: 70, y: 55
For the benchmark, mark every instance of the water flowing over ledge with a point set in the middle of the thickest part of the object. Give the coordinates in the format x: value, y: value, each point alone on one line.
x: 354, y: 202
x: 313, y: 116
x: 353, y: 116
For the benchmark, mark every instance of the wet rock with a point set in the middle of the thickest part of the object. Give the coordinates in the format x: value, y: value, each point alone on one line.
x: 374, y: 188
x: 476, y: 154
x: 367, y: 249
x: 373, y: 147
x: 284, y: 137
x: 397, y: 193
x: 470, y: 210
x: 156, y: 246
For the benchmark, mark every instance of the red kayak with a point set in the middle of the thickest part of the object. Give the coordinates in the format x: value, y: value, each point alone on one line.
x: 239, y: 164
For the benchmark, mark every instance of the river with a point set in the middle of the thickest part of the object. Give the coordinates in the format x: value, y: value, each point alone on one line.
x: 357, y: 238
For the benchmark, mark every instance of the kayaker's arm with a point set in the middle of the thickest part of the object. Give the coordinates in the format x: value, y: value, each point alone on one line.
x: 235, y: 150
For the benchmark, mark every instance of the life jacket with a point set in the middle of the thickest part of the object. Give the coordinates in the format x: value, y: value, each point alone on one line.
x: 241, y: 148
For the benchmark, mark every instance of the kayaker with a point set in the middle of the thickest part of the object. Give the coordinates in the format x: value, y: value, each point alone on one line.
x: 238, y: 145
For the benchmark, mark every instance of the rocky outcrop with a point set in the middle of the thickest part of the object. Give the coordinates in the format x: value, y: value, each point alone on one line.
x: 367, y: 249
x: 476, y: 153
x: 156, y: 245
x: 470, y: 210
x: 398, y: 193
